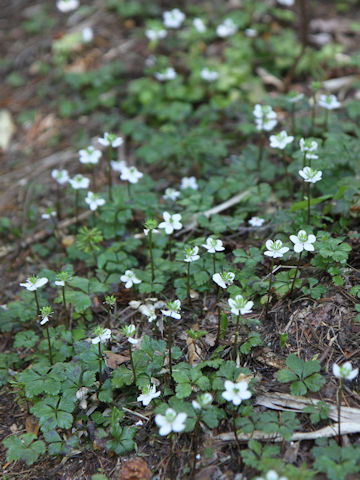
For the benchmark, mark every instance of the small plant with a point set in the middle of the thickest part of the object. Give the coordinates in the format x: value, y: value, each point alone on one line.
x: 302, y: 375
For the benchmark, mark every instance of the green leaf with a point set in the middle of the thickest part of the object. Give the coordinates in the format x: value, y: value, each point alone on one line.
x: 298, y: 388
x: 315, y: 382
x: 183, y: 390
x: 296, y: 364
x: 24, y: 448
x: 122, y: 376
x: 286, y: 376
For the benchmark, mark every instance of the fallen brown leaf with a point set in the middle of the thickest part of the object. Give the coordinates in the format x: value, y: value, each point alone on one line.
x: 32, y: 425
x: 135, y: 469
x: 113, y: 360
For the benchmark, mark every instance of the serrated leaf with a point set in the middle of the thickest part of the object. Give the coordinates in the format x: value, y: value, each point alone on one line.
x: 286, y: 376
x: 296, y: 364
x: 298, y: 388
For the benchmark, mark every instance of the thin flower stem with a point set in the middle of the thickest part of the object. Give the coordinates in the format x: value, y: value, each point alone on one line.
x: 234, y: 428
x: 100, y: 359
x: 261, y: 152
x: 286, y: 172
x: 270, y: 287
x: 292, y: 119
x: 65, y: 307
x: 169, y: 348
x: 172, y: 477
x: 109, y: 158
x: 151, y: 256
x: 188, y: 281
x: 219, y: 318
x: 57, y: 202
x: 326, y: 121
x: 236, y: 336
x: 339, y: 400
x: 303, y: 181
x: 214, y: 262
x: 296, y: 272
x: 129, y: 190
x: 195, y: 447
x: 49, y: 345
x: 76, y: 207
x: 132, y: 362
x: 308, y: 203
x: 313, y: 111
x: 37, y: 303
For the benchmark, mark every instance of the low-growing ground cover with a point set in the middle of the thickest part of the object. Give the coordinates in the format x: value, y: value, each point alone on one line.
x: 181, y: 246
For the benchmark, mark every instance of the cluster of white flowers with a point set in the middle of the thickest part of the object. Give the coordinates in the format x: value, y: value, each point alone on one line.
x: 236, y: 392
x: 170, y: 422
x: 302, y: 241
x: 155, y: 34
x: 110, y: 139
x: 213, y: 245
x: 148, y: 394
x: 227, y: 28
x: 94, y: 201
x: 224, y: 279
x: 310, y: 175
x: 240, y: 306
x: 308, y: 147
x: 199, y: 25
x: 33, y: 283
x: 61, y: 176
x: 102, y: 335
x: 67, y: 5
x: 173, y: 18
x: 189, y: 182
x: 129, y: 331
x: 79, y: 182
x: 265, y: 117
x: 191, y: 254
x: 148, y: 308
x: 209, y: 75
x: 345, y: 371
x: 329, y: 102
x: 90, y: 156
x: 256, y: 221
x: 167, y: 74
x: 171, y: 194
x: 173, y: 309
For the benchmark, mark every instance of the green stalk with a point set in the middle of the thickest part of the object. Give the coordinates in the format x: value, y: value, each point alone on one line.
x: 49, y: 345
x: 195, y: 447
x: 65, y: 307
x: 261, y: 151
x: 308, y: 203
x: 151, y: 255
x: 326, y: 120
x: 303, y: 181
x: 109, y: 158
x: 76, y: 206
x: 169, y: 348
x: 37, y: 304
x: 270, y: 287
x: 214, y: 262
x: 132, y: 362
x: 296, y: 272
x: 188, y: 281
x: 339, y: 400
x: 292, y: 118
x: 236, y: 337
x: 286, y: 172
x: 100, y: 358
x: 219, y: 319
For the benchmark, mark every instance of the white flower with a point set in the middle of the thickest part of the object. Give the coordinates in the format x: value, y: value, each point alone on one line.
x: 209, y: 75
x: 79, y: 181
x: 67, y: 5
x: 173, y: 18
x: 236, y: 392
x: 212, y: 245
x: 45, y: 314
x: 310, y: 175
x: 131, y: 174
x: 303, y: 241
x: 171, y: 222
x: 148, y: 394
x: 224, y: 279
x: 110, y: 139
x: 81, y: 395
x: 191, y: 254
x: 60, y: 283
x: 330, y: 102
x: 61, y: 176
x: 256, y: 221
x: 251, y: 32
x: 154, y: 35
x: 294, y: 96
x: 129, y: 331
x: 280, y: 140
x: 202, y: 401
x: 129, y: 278
x: 271, y: 475
x: 275, y: 249
x: 170, y: 422
x: 87, y: 35
x: 199, y: 25
x: 189, y: 182
x: 239, y: 305
x: 286, y: 3
x: 168, y: 74
x: 226, y: 28
x: 265, y: 117
x: 173, y: 309
x: 94, y: 201
x: 171, y: 194
x: 308, y: 146
x: 89, y: 155
x: 118, y: 166
x: 33, y: 283
x: 345, y: 371
x: 48, y: 214
x: 103, y: 335
x: 149, y: 311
